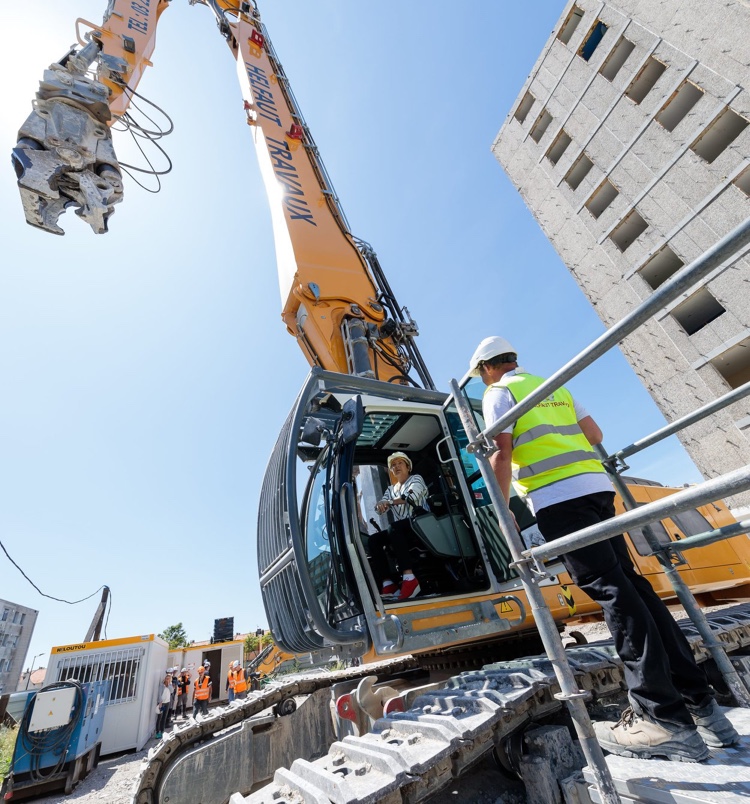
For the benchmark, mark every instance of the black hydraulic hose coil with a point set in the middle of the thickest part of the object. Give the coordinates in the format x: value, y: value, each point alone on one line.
x: 54, y: 742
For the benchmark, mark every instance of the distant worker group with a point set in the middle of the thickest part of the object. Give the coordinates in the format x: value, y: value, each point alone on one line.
x: 173, y: 698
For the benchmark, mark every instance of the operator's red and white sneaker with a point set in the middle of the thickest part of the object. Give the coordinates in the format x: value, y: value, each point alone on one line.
x: 409, y: 588
x: 389, y: 589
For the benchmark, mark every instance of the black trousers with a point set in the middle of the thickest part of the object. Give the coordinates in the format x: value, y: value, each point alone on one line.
x: 399, y: 539
x: 660, y: 671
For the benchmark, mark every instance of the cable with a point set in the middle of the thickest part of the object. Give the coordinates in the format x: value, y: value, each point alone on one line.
x: 50, y: 597
x: 41, y: 744
x: 138, y: 131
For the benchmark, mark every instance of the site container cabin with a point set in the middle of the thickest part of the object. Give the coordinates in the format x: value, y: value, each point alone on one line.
x: 219, y: 654
x: 135, y: 667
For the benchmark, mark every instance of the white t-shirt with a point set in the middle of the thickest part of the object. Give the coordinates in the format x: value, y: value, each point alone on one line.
x: 496, y: 403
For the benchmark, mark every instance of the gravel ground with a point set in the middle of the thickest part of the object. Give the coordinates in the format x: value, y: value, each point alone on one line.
x: 112, y: 781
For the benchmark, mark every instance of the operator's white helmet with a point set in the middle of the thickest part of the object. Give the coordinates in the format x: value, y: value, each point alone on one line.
x: 490, y: 347
x: 396, y: 456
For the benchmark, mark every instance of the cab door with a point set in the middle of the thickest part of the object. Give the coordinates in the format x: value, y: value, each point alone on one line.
x: 316, y: 581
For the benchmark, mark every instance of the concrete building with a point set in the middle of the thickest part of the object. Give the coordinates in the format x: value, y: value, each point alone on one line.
x: 16, y: 627
x: 630, y: 144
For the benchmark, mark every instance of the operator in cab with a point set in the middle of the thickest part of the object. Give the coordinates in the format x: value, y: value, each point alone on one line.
x: 406, y: 496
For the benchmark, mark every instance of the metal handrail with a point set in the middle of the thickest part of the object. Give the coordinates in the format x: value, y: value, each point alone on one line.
x: 529, y: 563
x: 684, y: 279
x: 706, y: 492
x: 711, y: 536
x: 670, y: 429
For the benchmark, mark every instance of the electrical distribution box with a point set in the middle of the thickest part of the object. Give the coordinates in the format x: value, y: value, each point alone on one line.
x: 52, y: 708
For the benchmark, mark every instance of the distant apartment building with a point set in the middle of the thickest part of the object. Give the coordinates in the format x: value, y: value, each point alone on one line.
x: 16, y: 627
x: 630, y: 144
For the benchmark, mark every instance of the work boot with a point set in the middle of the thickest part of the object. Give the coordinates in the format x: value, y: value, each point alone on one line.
x: 389, y: 588
x: 714, y: 726
x: 634, y: 736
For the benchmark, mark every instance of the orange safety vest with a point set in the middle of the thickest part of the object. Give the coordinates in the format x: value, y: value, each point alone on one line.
x: 202, y: 692
x: 238, y: 681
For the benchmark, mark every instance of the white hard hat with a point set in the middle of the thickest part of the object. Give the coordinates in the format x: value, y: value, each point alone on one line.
x: 236, y: 663
x: 487, y: 349
x: 395, y: 456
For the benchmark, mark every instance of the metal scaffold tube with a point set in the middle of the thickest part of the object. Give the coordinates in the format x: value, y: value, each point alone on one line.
x: 722, y: 486
x: 679, y: 424
x: 729, y: 246
x: 664, y: 554
x: 573, y: 697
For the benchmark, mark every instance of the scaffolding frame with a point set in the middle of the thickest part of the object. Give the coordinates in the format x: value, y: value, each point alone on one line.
x: 530, y: 563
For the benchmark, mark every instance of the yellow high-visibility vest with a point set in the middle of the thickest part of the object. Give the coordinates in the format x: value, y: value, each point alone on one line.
x: 548, y: 444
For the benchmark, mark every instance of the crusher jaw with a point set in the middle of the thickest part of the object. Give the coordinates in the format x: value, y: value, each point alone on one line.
x: 64, y: 156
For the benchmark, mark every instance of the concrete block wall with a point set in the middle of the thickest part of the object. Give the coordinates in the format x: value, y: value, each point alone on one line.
x: 16, y: 628
x: 686, y: 201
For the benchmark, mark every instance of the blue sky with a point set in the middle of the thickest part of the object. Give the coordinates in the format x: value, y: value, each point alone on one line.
x: 146, y: 372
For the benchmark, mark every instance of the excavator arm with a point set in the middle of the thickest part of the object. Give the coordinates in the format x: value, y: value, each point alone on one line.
x: 335, y: 298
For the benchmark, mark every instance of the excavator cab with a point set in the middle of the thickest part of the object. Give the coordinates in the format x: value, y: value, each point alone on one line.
x: 317, y: 516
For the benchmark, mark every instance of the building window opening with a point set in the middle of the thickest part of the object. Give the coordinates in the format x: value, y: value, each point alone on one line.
x: 540, y: 125
x: 579, y: 171
x: 743, y: 182
x: 719, y: 135
x: 558, y: 147
x: 660, y: 267
x: 569, y: 26
x: 644, y: 82
x: 603, y: 196
x: 628, y: 230
x: 677, y: 107
x: 619, y: 55
x: 524, y: 107
x: 734, y: 364
x: 698, y: 310
x: 591, y: 42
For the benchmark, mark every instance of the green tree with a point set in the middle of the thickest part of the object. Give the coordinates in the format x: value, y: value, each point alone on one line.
x: 175, y: 636
x: 266, y: 639
x: 252, y: 644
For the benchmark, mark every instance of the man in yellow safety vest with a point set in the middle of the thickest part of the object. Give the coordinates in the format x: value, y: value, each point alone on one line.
x: 548, y: 456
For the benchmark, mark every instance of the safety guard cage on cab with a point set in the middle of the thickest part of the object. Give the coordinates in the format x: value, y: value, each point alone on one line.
x: 295, y: 614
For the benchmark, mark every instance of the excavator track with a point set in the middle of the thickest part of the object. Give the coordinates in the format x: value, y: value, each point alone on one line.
x: 176, y: 743
x: 410, y: 756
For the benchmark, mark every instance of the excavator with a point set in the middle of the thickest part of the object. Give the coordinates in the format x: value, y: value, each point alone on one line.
x: 368, y: 394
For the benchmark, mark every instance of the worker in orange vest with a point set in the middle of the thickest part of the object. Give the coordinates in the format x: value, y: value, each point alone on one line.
x: 238, y: 682
x: 230, y: 683
x: 202, y: 693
